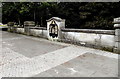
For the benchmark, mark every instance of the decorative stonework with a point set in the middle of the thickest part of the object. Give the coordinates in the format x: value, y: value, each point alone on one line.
x: 54, y: 26
x: 117, y: 35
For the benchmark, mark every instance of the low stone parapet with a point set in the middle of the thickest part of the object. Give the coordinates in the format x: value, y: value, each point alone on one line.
x: 40, y: 28
x: 108, y: 32
x: 102, y: 39
x: 38, y: 31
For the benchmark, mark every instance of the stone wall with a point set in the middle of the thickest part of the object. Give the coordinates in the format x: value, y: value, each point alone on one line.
x: 102, y: 39
x: 34, y: 31
x: 20, y: 30
x: 39, y: 31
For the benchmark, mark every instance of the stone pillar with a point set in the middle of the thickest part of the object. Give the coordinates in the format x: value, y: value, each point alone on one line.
x: 11, y: 26
x: 54, y: 26
x: 27, y: 25
x: 117, y: 35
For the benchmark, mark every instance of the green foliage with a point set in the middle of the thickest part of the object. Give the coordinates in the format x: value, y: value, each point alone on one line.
x: 84, y: 15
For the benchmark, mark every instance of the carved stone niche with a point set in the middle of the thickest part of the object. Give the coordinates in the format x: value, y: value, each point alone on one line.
x: 54, y: 26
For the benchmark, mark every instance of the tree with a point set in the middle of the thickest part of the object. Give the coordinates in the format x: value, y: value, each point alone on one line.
x: 81, y: 15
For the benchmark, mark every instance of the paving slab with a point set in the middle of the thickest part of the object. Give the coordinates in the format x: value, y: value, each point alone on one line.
x: 86, y: 65
x: 27, y: 46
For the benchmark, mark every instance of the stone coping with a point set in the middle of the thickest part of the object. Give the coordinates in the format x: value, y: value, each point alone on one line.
x: 117, y: 22
x: 117, y: 26
x: 55, y: 18
x: 39, y: 28
x: 19, y: 27
x: 109, y: 32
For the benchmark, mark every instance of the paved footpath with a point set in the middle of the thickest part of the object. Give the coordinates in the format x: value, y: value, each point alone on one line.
x: 27, y: 56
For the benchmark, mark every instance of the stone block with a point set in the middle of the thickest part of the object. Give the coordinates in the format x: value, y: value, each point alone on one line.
x: 29, y: 23
x: 20, y: 30
x: 117, y: 32
x: 45, y: 33
x: 85, y: 37
x: 107, y: 40
x: 69, y: 36
x: 116, y: 25
x: 117, y: 45
x: 117, y: 38
x: 116, y: 50
x: 38, y: 32
x: 117, y: 20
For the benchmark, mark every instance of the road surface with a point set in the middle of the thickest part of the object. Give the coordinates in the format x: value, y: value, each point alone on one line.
x: 27, y: 56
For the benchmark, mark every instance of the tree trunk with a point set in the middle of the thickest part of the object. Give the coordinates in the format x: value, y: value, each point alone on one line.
x: 41, y: 22
x: 34, y: 16
x: 19, y: 21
